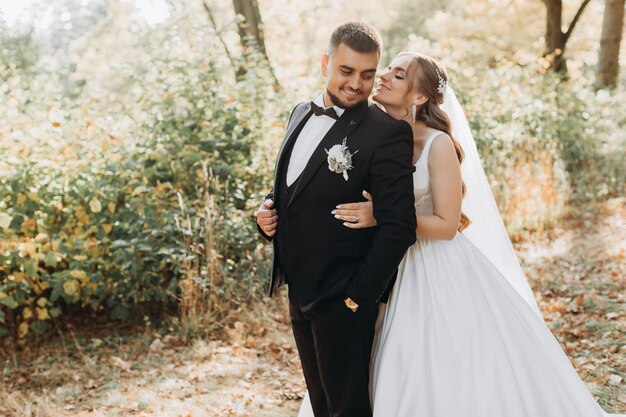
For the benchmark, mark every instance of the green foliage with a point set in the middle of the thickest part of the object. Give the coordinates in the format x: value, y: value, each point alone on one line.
x: 89, y: 206
x: 409, y: 19
x: 545, y: 143
x: 18, y: 53
x: 592, y: 143
x: 515, y: 120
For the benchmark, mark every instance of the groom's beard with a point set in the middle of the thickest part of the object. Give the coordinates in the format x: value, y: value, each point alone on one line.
x: 341, y: 104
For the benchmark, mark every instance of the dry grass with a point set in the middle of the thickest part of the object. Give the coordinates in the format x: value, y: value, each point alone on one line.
x: 112, y: 372
x: 578, y: 272
x: 19, y: 404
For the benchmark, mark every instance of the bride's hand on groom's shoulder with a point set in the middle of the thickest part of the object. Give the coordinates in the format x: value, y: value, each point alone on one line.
x: 267, y: 218
x: 356, y: 215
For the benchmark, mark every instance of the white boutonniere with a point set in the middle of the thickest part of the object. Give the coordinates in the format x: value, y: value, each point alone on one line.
x: 340, y: 159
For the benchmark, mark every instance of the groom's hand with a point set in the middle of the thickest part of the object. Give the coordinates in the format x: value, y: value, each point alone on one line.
x: 267, y: 218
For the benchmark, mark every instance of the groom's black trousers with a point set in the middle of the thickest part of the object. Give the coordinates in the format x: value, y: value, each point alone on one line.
x: 335, y: 344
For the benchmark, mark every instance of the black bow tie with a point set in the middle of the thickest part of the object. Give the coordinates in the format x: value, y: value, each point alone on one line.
x: 320, y: 111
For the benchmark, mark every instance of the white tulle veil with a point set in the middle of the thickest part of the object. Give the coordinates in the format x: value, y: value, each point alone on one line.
x: 487, y: 230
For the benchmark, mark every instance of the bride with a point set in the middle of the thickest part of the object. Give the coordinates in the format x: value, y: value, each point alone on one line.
x: 461, y: 335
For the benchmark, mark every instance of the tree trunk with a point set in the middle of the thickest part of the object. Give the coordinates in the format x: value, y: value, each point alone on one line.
x: 251, y: 32
x: 556, y: 39
x: 608, y: 58
x: 251, y: 29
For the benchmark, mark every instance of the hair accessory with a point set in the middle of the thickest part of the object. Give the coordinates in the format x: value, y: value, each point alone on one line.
x: 442, y: 84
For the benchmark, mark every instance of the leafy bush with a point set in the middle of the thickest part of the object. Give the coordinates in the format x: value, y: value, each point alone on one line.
x: 545, y: 143
x: 90, y: 204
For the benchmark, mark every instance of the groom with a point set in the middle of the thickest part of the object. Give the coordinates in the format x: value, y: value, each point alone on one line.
x: 335, y: 147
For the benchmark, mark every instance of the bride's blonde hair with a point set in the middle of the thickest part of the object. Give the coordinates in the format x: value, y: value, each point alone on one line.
x: 430, y: 78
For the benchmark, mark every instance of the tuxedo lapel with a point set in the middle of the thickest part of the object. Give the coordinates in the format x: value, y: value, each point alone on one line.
x: 348, y: 121
x: 298, y: 119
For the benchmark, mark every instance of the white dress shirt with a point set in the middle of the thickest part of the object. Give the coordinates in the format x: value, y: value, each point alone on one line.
x: 310, y: 137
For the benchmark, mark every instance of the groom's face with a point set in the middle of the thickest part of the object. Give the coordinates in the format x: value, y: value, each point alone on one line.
x: 349, y: 75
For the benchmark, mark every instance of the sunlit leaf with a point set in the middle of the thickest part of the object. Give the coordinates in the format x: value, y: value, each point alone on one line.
x: 95, y: 205
x: 30, y: 267
x: 50, y: 259
x: 42, y: 314
x: 55, y: 312
x: 22, y: 330
x: 71, y: 287
x: 76, y: 273
x: 8, y: 301
x: 5, y: 220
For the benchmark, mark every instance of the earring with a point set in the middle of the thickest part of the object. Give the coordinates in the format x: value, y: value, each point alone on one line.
x: 414, y: 111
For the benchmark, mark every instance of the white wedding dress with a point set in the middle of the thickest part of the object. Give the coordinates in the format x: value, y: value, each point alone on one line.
x: 458, y: 340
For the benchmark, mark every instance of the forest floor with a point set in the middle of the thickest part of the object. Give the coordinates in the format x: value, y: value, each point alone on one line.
x: 577, y: 270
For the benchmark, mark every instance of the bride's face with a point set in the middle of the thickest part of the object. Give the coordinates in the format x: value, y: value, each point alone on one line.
x: 393, y: 86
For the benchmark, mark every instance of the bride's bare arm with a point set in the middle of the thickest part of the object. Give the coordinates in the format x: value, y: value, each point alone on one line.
x: 446, y: 189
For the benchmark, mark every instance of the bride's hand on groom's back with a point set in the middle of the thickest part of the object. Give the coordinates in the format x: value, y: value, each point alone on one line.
x: 356, y: 215
x: 267, y: 218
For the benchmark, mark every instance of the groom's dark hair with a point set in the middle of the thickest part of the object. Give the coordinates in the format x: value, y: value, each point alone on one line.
x: 358, y: 36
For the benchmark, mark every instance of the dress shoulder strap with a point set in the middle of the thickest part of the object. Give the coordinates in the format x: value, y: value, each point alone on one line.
x: 429, y: 142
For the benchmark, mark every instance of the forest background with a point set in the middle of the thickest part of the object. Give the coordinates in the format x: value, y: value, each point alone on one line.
x: 137, y: 139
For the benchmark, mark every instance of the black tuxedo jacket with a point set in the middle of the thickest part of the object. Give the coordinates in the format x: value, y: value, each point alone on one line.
x: 323, y: 258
